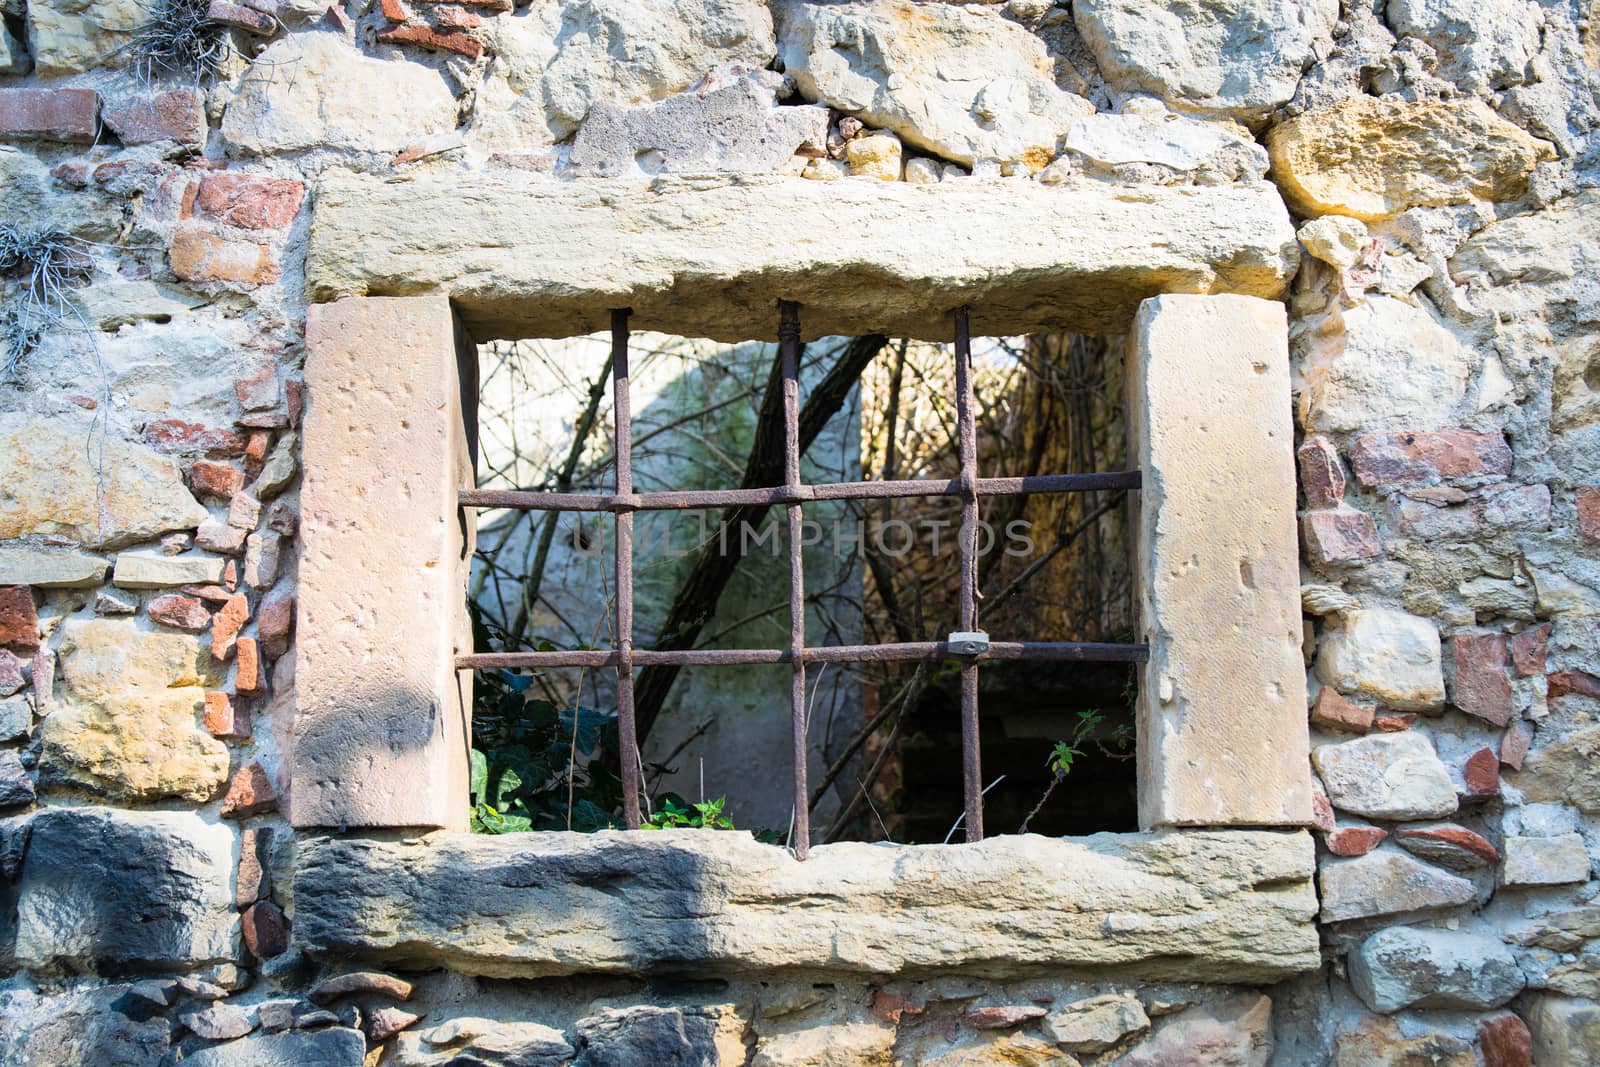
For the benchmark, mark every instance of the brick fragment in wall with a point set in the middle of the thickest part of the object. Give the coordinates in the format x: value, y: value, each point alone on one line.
x: 179, y: 612
x: 1505, y: 1041
x: 242, y: 18
x: 250, y: 201
x: 1511, y: 507
x: 218, y: 480
x: 177, y: 115
x: 19, y: 619
x: 249, y: 793
x: 1529, y: 649
x: 1341, y: 536
x: 260, y: 389
x: 176, y: 544
x: 1447, y: 845
x: 266, y: 934
x: 1480, y: 686
x: 230, y: 576
x: 275, y: 621
x: 1587, y: 501
x: 1578, y: 683
x: 225, y: 625
x: 1423, y: 457
x: 44, y: 680
x: 1321, y: 474
x: 68, y: 115
x: 1480, y: 774
x: 1354, y: 840
x: 249, y: 676
x: 201, y: 256
x: 394, y: 11
x: 254, y: 881
x: 294, y: 390
x: 1394, y: 723
x: 261, y: 558
x: 1333, y: 711
x: 176, y: 435
x: 450, y: 17
x: 226, y: 716
x: 12, y: 678
x: 1514, y: 744
x: 429, y: 38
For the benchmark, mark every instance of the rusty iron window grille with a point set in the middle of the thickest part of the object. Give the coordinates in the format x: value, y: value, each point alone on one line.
x: 969, y: 645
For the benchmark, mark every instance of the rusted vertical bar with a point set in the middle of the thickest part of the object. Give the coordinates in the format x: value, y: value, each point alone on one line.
x: 789, y: 358
x: 971, y: 766
x: 622, y: 409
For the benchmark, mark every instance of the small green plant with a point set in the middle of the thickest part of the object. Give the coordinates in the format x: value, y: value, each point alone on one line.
x: 1063, y: 753
x: 674, y: 814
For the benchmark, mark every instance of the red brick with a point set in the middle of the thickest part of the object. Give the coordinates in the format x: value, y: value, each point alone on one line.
x: 178, y: 115
x: 250, y: 793
x: 294, y: 390
x: 227, y: 717
x: 1420, y: 457
x: 1588, y: 500
x: 1321, y: 474
x: 255, y: 867
x: 1003, y: 1016
x: 1481, y: 774
x: 450, y: 17
x: 242, y: 18
x: 259, y: 390
x: 247, y: 676
x: 44, y: 679
x: 1480, y: 686
x: 394, y: 10
x: 1393, y: 724
x: 215, y: 479
x: 179, y: 612
x: 225, y: 625
x: 1514, y: 744
x: 1504, y: 1041
x: 275, y: 621
x: 1529, y: 648
x: 11, y: 677
x: 250, y: 201
x: 427, y: 37
x: 1354, y: 840
x: 889, y: 1007
x: 19, y: 619
x: 175, y: 435
x: 200, y: 256
x: 1577, y: 683
x: 1334, y: 712
x: 265, y: 933
x: 1342, y: 536
x: 1322, y: 816
x: 71, y: 115
x: 1455, y: 836
x: 255, y: 450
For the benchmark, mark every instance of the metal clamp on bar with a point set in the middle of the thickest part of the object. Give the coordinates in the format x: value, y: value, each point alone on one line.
x: 968, y: 642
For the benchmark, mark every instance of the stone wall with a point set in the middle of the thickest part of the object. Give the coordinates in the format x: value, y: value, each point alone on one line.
x: 178, y: 182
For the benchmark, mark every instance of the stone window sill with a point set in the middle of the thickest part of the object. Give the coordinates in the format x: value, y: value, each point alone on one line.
x: 1233, y: 906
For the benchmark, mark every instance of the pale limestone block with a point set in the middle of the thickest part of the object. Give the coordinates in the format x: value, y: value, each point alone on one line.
x: 1560, y: 860
x: 1215, y: 906
x: 1222, y: 719
x: 696, y: 256
x: 1392, y: 657
x: 151, y: 570
x: 50, y: 568
x: 381, y: 714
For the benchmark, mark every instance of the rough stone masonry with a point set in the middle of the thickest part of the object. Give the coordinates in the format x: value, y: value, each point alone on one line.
x: 1415, y: 182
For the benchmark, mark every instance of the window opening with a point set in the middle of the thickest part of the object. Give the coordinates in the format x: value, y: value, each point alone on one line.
x: 969, y: 645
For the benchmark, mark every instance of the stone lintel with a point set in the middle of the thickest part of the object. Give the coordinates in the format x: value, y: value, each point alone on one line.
x: 1213, y: 906
x: 531, y: 256
x: 1222, y: 702
x: 381, y: 715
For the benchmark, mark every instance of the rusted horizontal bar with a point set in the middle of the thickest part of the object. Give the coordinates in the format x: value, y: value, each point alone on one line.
x: 1084, y: 651
x: 720, y: 498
